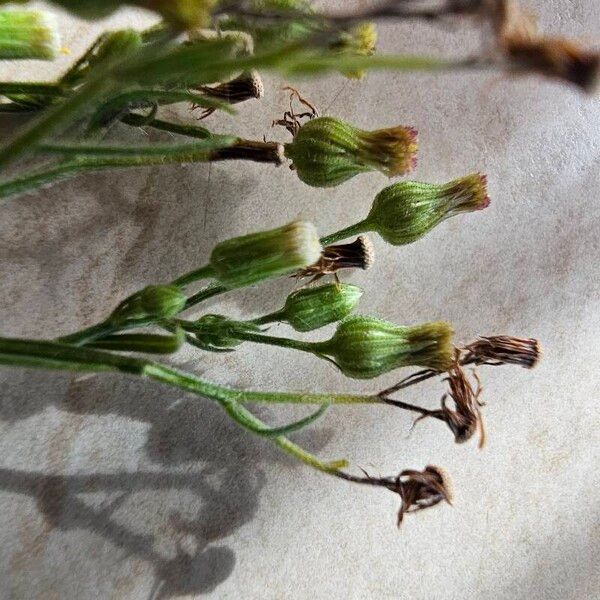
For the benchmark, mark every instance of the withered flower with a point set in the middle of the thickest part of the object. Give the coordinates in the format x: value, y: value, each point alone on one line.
x: 466, y: 419
x: 418, y: 490
x: 527, y: 49
x: 359, y: 254
x: 502, y: 350
x: 246, y: 86
x: 422, y: 489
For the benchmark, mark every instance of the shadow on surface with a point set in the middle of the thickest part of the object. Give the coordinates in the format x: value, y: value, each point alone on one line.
x: 185, y: 433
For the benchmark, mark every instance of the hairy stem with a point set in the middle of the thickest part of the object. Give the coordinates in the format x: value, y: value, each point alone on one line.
x: 342, y: 234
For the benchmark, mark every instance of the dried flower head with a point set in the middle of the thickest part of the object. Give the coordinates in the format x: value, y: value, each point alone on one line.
x: 246, y: 86
x: 466, y: 419
x: 526, y: 49
x: 328, y: 151
x: 503, y: 349
x: 418, y: 490
x: 359, y: 254
x: 422, y: 489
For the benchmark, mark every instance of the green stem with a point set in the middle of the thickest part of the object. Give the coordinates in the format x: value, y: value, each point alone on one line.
x: 180, y: 129
x: 139, y: 155
x: 259, y: 338
x: 101, y: 330
x: 53, y: 118
x: 56, y: 356
x: 205, y: 294
x: 204, y: 272
x: 11, y: 88
x: 274, y: 317
x: 342, y: 234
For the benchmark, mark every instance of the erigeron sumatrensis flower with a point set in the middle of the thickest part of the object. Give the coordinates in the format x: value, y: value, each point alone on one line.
x: 248, y: 259
x: 404, y: 212
x: 327, y: 151
x: 364, y: 347
x: 314, y: 307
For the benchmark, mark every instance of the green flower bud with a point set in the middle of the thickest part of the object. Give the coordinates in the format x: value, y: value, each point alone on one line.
x: 406, y: 211
x: 27, y: 34
x: 328, y: 151
x: 251, y: 258
x: 366, y: 347
x: 358, y: 41
x: 312, y: 308
x: 153, y: 302
x: 219, y: 333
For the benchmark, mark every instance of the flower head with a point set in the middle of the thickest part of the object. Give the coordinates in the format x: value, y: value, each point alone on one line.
x: 28, y: 34
x: 153, y: 302
x: 218, y: 333
x: 360, y: 40
x: 359, y: 254
x: 465, y: 419
x: 419, y: 490
x: 406, y: 211
x: 314, y: 307
x: 366, y: 347
x: 328, y: 151
x: 251, y: 258
x: 504, y: 349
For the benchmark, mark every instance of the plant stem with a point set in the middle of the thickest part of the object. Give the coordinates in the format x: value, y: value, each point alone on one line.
x: 178, y: 128
x: 263, y: 152
x: 204, y: 272
x: 273, y: 317
x: 282, y: 342
x: 10, y: 88
x: 100, y: 330
x: 205, y: 294
x: 342, y: 234
x: 56, y: 356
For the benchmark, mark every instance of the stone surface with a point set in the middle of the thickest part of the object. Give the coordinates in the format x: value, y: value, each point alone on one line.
x: 115, y: 488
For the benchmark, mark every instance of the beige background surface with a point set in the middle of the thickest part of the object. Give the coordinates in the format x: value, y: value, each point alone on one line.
x: 113, y: 488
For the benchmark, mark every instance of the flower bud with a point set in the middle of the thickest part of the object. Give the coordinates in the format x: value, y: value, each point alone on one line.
x: 360, y: 40
x: 406, y: 211
x: 153, y: 302
x: 218, y: 333
x: 27, y: 34
x: 251, y: 258
x: 366, y: 347
x: 312, y: 308
x: 327, y: 151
